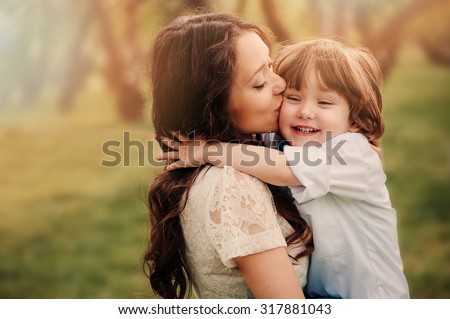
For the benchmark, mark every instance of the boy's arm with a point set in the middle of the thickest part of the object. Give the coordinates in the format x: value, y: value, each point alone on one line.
x: 266, y: 164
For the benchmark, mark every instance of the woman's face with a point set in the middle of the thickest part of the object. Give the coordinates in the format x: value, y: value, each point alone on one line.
x: 256, y: 94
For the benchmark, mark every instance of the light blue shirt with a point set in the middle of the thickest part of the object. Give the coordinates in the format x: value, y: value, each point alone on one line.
x: 346, y: 203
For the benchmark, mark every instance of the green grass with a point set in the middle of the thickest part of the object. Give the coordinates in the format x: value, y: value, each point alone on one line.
x: 89, y: 248
x: 71, y: 228
x: 417, y: 161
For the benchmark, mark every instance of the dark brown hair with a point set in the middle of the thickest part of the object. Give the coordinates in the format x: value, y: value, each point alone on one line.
x: 192, y: 69
x: 350, y: 70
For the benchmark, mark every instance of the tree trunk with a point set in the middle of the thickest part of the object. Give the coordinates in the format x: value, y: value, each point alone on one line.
x: 437, y: 51
x: 123, y: 63
x: 79, y: 67
x: 333, y: 17
x: 274, y: 22
x: 386, y: 42
x: 240, y: 7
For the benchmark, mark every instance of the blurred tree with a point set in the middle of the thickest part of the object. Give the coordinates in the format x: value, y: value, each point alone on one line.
x: 436, y: 44
x: 47, y: 50
x: 275, y: 22
x: 344, y: 18
x: 437, y: 52
x: 81, y: 65
x: 124, y: 59
x: 334, y: 17
x: 386, y: 40
x: 174, y: 8
x: 240, y: 7
x: 59, y: 44
x: 23, y: 48
x: 123, y: 56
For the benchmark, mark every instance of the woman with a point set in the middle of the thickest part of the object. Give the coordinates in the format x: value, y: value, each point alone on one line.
x: 222, y: 231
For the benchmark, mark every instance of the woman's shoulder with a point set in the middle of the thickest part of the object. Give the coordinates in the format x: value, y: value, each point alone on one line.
x: 227, y: 175
x: 219, y: 185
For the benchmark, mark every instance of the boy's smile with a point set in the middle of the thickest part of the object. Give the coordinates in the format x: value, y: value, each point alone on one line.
x: 304, y: 130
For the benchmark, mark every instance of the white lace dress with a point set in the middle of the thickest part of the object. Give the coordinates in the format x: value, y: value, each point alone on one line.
x: 230, y: 214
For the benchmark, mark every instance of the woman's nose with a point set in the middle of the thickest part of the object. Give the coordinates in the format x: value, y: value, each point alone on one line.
x: 280, y: 84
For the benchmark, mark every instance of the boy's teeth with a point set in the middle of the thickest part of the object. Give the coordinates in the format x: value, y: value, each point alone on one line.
x: 306, y: 129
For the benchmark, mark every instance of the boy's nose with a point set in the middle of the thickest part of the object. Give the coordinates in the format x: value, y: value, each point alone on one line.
x: 305, y: 111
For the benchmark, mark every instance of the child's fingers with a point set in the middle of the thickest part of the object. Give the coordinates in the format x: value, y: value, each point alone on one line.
x: 178, y: 164
x: 183, y: 164
x: 173, y: 166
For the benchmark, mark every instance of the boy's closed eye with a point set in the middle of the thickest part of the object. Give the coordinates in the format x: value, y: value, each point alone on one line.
x: 293, y: 97
x: 326, y: 102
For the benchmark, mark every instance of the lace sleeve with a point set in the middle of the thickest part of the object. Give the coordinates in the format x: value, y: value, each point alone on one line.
x: 242, y: 217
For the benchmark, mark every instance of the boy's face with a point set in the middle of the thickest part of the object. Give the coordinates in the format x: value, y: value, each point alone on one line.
x: 307, y: 115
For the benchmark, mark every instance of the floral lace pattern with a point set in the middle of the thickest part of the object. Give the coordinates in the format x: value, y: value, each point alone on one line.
x: 239, y: 219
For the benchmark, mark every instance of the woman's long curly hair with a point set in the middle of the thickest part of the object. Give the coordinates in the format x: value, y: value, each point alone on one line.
x: 192, y: 67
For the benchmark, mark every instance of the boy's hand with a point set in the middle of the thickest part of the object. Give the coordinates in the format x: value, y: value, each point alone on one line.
x: 186, y: 152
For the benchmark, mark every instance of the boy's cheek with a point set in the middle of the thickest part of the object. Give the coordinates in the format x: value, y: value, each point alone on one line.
x: 285, y: 110
x: 283, y: 120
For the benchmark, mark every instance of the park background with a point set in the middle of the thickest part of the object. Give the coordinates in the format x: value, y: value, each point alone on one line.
x: 73, y: 77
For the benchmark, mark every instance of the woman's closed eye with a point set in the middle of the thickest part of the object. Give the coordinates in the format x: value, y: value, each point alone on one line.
x: 264, y: 84
x: 261, y: 86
